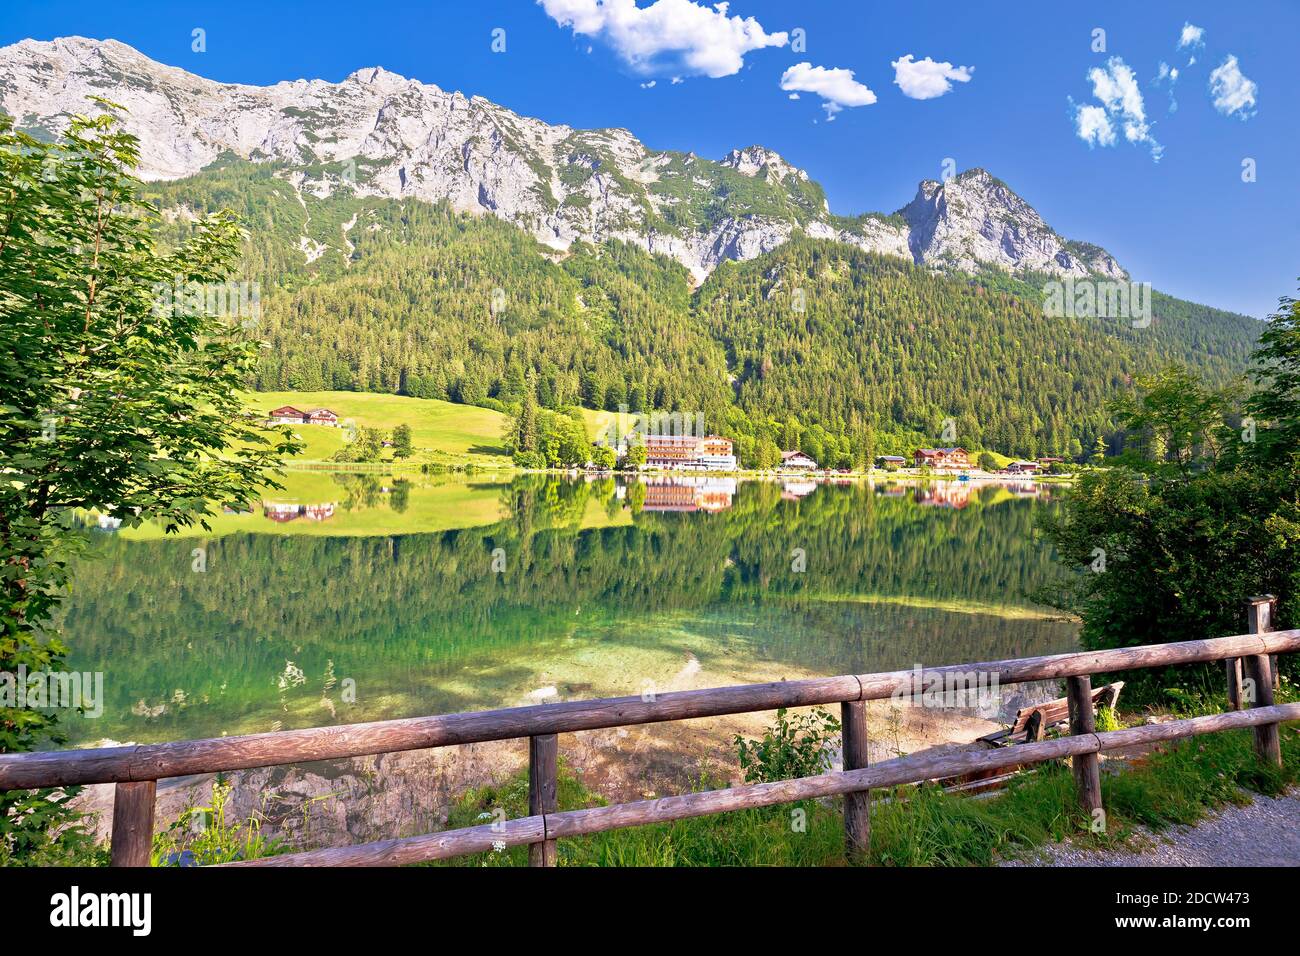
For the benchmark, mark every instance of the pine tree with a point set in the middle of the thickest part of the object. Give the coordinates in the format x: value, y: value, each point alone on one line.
x: 525, y: 438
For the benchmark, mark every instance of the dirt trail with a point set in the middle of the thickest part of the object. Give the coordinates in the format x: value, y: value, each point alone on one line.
x: 1228, y: 837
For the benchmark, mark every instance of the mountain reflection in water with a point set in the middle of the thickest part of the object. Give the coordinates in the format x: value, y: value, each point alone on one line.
x: 407, y: 596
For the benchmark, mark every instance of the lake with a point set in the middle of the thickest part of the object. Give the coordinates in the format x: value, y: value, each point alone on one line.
x: 360, y: 597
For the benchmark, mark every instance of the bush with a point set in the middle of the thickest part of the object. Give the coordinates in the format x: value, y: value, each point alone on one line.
x: 1160, y: 560
x: 530, y: 459
x: 792, y: 747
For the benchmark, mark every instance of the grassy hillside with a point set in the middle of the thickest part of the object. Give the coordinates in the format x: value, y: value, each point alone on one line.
x: 440, y: 431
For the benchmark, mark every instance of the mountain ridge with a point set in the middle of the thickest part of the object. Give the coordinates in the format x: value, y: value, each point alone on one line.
x: 381, y: 134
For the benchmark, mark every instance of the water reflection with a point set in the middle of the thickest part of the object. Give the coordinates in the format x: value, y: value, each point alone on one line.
x: 280, y: 512
x: 688, y: 494
x: 435, y: 595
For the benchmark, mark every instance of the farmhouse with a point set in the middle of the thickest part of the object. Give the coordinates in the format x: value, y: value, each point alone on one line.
x: 288, y: 415
x: 941, y: 458
x: 691, y: 452
x: 797, y: 461
x: 1023, y: 468
x: 890, y: 461
x: 320, y: 416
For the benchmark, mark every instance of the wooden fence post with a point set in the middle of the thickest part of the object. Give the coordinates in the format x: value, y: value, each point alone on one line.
x: 132, y: 837
x: 857, y: 806
x: 1087, y: 767
x: 1233, y: 666
x: 1259, y: 668
x: 543, y: 761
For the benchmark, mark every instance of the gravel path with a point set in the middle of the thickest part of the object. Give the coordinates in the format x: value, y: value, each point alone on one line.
x: 1265, y: 833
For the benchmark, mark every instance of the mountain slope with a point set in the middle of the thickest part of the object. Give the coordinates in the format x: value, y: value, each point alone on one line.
x: 377, y: 134
x: 815, y: 338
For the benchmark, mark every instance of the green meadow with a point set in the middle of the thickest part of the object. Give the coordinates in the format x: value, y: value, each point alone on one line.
x: 441, y: 432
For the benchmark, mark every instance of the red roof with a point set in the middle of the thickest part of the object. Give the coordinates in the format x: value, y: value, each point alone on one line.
x: 284, y: 410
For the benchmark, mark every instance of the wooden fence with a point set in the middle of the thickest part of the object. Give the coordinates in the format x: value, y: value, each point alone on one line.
x: 136, y: 769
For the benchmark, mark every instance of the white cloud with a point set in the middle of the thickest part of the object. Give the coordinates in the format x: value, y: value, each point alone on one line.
x: 1191, y: 36
x: 1094, y: 126
x: 680, y: 36
x: 836, y: 87
x: 1122, y: 108
x: 794, y: 96
x: 648, y: 86
x: 1167, y: 75
x: 925, y: 79
x: 1232, y: 92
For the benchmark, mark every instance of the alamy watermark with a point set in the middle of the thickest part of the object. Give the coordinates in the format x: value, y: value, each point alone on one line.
x: 236, y: 300
x: 50, y: 690
x: 950, y: 688
x: 633, y: 426
x: 1098, y: 299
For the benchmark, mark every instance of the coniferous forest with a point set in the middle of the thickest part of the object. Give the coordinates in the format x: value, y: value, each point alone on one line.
x: 816, y: 345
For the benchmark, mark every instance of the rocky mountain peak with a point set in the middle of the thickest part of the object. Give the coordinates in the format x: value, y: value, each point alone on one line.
x: 407, y: 138
x: 752, y: 160
x: 974, y: 219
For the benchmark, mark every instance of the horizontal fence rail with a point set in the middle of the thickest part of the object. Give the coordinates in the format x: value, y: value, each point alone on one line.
x: 136, y: 769
x: 217, y: 754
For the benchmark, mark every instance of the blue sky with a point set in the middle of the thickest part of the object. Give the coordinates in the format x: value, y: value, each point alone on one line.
x: 1187, y: 223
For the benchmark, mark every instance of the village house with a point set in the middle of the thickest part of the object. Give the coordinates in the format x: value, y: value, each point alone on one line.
x: 690, y: 452
x: 890, y: 461
x: 941, y: 458
x: 288, y: 415
x: 797, y: 461
x: 1023, y: 468
x: 320, y: 416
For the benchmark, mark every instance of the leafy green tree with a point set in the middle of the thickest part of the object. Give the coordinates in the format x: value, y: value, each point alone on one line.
x: 366, y: 445
x: 767, y: 455
x: 402, y: 447
x: 636, y: 455
x: 988, y: 462
x: 1177, y: 423
x: 1171, y: 552
x: 603, y: 457
x: 119, y: 385
x: 1099, y: 450
x: 1277, y: 374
